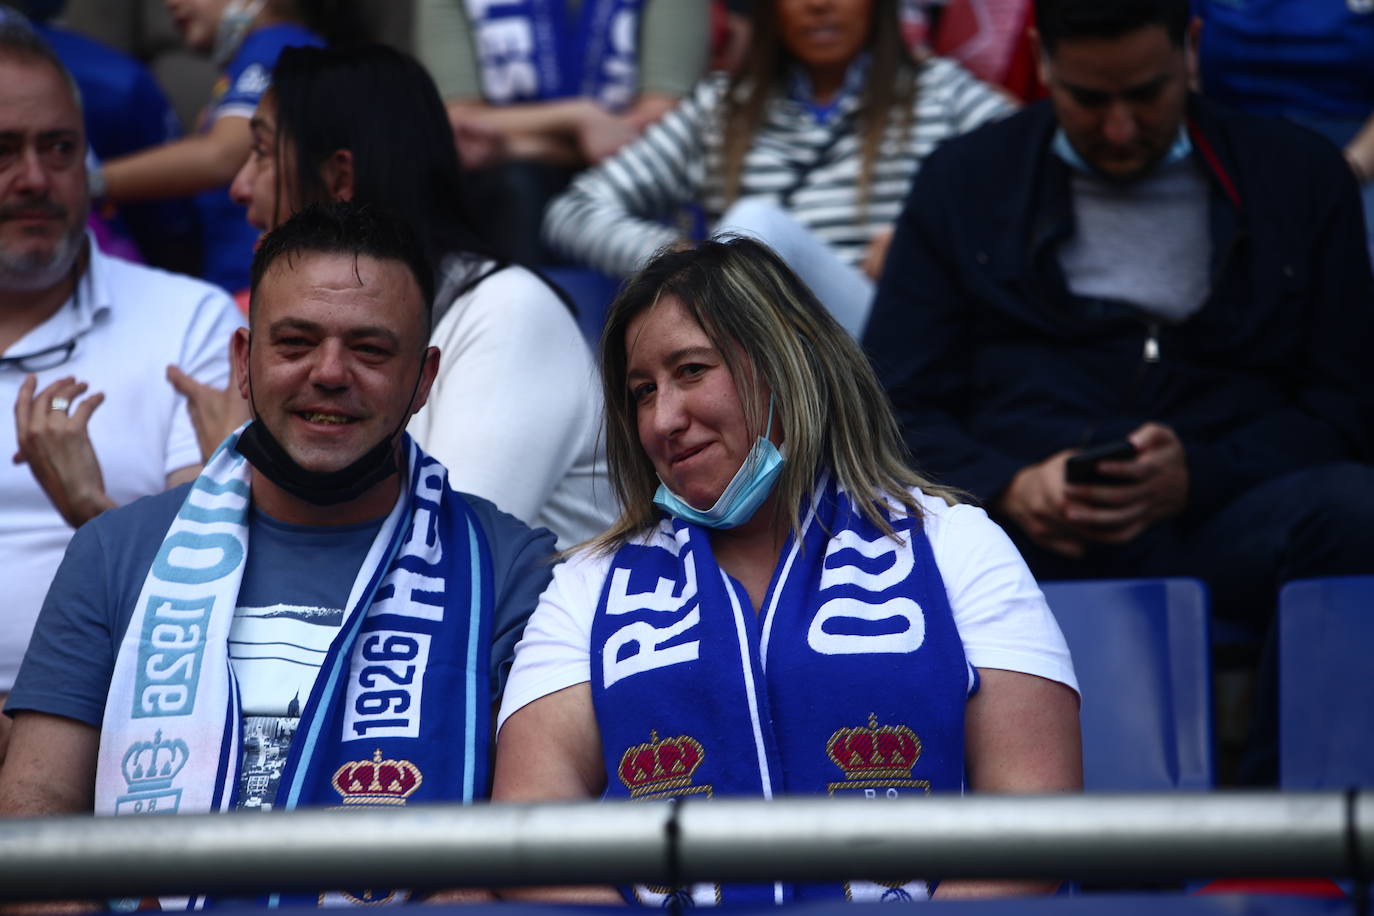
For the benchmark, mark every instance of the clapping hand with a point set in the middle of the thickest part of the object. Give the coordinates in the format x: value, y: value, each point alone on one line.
x: 55, y: 443
x: 215, y: 412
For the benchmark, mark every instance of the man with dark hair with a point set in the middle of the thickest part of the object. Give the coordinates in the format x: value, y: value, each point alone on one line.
x: 319, y: 619
x: 1055, y: 20
x: 360, y: 230
x: 74, y: 320
x: 1127, y: 266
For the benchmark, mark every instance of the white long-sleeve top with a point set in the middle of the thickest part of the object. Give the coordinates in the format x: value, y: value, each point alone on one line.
x: 610, y: 217
x: 515, y: 412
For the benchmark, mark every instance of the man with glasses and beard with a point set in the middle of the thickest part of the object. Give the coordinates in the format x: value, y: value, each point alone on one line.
x: 74, y: 323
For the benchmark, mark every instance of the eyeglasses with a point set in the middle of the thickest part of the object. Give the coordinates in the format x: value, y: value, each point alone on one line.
x: 41, y: 360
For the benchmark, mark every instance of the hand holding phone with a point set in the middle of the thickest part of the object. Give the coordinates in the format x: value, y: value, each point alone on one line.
x: 1082, y: 467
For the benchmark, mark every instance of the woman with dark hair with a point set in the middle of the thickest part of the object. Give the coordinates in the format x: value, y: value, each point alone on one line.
x: 811, y: 146
x: 359, y: 124
x: 243, y: 38
x: 513, y: 412
x: 783, y: 606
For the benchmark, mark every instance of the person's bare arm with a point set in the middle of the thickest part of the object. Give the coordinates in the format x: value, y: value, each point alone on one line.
x: 4, y: 729
x: 1360, y: 152
x: 50, y: 769
x: 648, y: 108
x: 1021, y: 736
x: 185, y: 166
x: 550, y: 750
x: 543, y: 131
x: 875, y: 255
x: 563, y: 132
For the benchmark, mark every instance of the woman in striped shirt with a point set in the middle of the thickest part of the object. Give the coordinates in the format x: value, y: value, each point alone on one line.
x: 811, y: 147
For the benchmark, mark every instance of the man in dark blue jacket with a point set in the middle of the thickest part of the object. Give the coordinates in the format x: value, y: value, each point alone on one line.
x: 1128, y: 261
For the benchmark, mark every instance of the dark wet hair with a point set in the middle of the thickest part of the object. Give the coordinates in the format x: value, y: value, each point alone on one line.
x: 1059, y: 20
x: 346, y: 227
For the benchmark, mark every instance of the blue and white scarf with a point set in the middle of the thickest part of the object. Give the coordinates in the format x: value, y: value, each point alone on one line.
x: 401, y: 705
x: 528, y: 50
x: 852, y: 679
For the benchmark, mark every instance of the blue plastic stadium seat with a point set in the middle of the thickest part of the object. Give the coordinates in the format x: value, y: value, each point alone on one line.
x: 1141, y: 652
x: 592, y: 292
x: 1326, y: 690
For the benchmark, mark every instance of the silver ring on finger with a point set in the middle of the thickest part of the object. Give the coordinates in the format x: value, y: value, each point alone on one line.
x: 61, y: 404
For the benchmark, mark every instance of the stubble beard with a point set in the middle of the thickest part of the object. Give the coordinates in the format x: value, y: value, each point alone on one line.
x: 27, y: 273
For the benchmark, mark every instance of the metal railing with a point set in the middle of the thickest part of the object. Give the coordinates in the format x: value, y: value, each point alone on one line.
x: 1084, y: 837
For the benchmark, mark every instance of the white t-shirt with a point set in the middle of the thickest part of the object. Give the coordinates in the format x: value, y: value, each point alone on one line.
x: 998, y: 609
x: 129, y: 322
x: 515, y: 413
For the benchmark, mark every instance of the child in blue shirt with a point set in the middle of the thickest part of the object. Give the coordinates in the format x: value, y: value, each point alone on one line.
x: 244, y: 38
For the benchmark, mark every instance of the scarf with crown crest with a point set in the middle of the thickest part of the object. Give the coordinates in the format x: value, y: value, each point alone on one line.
x: 851, y: 678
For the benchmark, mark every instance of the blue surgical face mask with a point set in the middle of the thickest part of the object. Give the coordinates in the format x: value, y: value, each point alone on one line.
x: 742, y: 496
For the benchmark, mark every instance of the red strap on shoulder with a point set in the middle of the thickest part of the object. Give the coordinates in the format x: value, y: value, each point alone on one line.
x: 1209, y: 155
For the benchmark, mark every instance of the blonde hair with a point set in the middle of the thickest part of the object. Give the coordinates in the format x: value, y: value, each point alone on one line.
x: 773, y: 335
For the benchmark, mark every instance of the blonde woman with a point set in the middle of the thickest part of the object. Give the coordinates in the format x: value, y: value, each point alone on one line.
x: 783, y: 606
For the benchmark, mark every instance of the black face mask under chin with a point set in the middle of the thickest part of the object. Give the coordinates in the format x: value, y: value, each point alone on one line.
x: 320, y: 488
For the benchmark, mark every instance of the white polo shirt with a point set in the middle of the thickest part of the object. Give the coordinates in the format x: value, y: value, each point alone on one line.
x: 129, y: 322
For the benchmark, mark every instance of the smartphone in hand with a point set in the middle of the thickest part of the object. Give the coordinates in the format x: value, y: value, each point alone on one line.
x: 1082, y: 467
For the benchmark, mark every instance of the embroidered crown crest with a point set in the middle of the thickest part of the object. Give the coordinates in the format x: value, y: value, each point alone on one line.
x: 660, y: 765
x: 876, y: 752
x: 153, y: 765
x: 376, y: 781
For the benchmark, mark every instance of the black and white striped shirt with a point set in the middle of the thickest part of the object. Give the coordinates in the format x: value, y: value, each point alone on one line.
x: 611, y: 216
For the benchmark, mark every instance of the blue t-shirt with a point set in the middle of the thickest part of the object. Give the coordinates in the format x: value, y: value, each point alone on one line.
x: 228, y: 240
x: 124, y: 111
x: 1289, y: 57
x: 304, y: 570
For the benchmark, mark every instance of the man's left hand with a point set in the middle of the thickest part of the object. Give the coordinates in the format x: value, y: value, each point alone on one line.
x: 1154, y: 486
x: 875, y: 255
x: 648, y: 108
x: 57, y: 447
